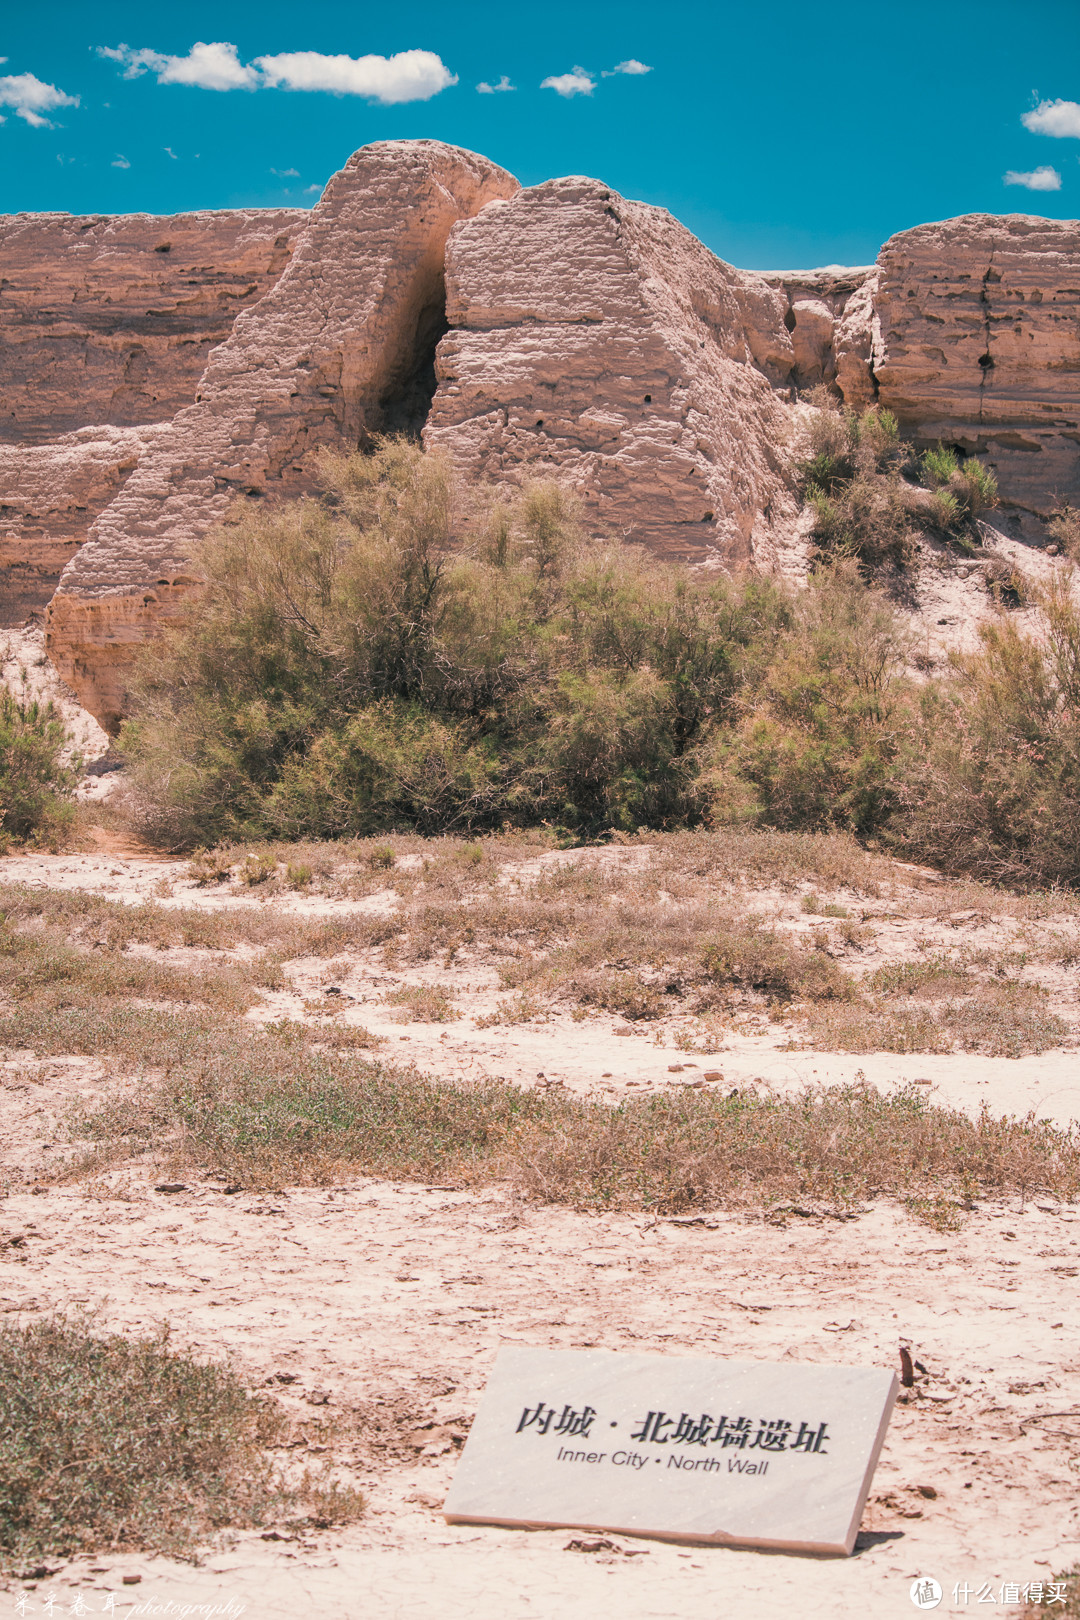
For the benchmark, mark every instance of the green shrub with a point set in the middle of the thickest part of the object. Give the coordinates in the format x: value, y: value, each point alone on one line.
x: 964, y: 488
x: 35, y: 784
x: 945, y: 511
x: 256, y: 869
x: 977, y: 488
x: 822, y: 747
x: 401, y: 655
x: 994, y: 788
x: 939, y: 466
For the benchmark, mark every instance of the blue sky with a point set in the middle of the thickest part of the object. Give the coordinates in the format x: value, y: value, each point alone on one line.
x: 782, y: 137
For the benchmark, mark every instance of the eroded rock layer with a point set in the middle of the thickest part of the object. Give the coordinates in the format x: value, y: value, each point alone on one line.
x: 49, y: 494
x: 595, y: 340
x: 105, y: 329
x: 341, y: 346
x: 111, y: 320
x: 979, y: 346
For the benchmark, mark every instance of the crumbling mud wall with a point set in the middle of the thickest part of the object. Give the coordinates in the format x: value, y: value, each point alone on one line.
x: 336, y: 350
x: 596, y: 341
x: 110, y: 320
x: 979, y: 346
x: 106, y: 325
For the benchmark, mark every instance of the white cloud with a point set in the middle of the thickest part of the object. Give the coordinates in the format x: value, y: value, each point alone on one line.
x: 578, y: 83
x: 286, y: 174
x: 407, y: 76
x: 1054, y: 118
x: 211, y: 67
x: 486, y: 89
x: 170, y: 153
x: 631, y: 65
x: 31, y: 98
x: 1044, y: 178
x: 120, y: 161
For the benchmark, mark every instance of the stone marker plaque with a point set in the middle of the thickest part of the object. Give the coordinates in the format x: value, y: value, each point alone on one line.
x: 734, y: 1452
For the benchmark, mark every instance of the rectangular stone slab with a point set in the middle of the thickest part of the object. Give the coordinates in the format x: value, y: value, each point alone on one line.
x: 739, y: 1453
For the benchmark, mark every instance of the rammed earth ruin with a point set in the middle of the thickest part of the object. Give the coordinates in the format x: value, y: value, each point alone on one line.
x: 157, y: 370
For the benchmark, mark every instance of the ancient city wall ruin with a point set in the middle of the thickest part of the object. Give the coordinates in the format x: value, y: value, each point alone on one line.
x: 155, y: 370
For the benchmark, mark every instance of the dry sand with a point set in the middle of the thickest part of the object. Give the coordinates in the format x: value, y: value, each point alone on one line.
x: 391, y: 1300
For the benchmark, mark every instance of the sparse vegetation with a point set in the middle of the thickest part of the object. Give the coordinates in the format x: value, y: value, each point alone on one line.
x: 1064, y: 528
x: 851, y: 476
x: 660, y: 926
x: 858, y: 478
x: 269, y: 1115
x: 124, y: 1443
x: 1007, y: 1020
x: 422, y: 1004
x: 995, y: 791
x: 963, y: 487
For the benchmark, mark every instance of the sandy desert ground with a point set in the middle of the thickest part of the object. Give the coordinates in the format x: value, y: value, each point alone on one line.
x: 374, y: 1310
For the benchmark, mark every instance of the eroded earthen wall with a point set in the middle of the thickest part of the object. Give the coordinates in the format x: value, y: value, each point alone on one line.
x: 337, y: 349
x: 109, y: 320
x: 105, y: 329
x: 598, y: 342
x: 979, y: 346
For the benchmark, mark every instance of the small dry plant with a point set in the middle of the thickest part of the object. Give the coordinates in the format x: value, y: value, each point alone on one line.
x: 1067, y: 1608
x: 121, y: 1443
x: 939, y: 1006
x: 421, y: 1004
x: 515, y: 1010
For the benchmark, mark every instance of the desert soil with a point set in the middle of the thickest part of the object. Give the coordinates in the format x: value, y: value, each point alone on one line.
x: 378, y: 1308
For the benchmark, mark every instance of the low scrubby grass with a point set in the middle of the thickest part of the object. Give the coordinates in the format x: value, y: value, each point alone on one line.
x: 44, y: 972
x: 204, y: 1089
x: 629, y: 963
x: 421, y: 1004
x: 266, y: 1114
x: 996, y: 1020
x: 656, y: 925
x: 119, y: 1444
